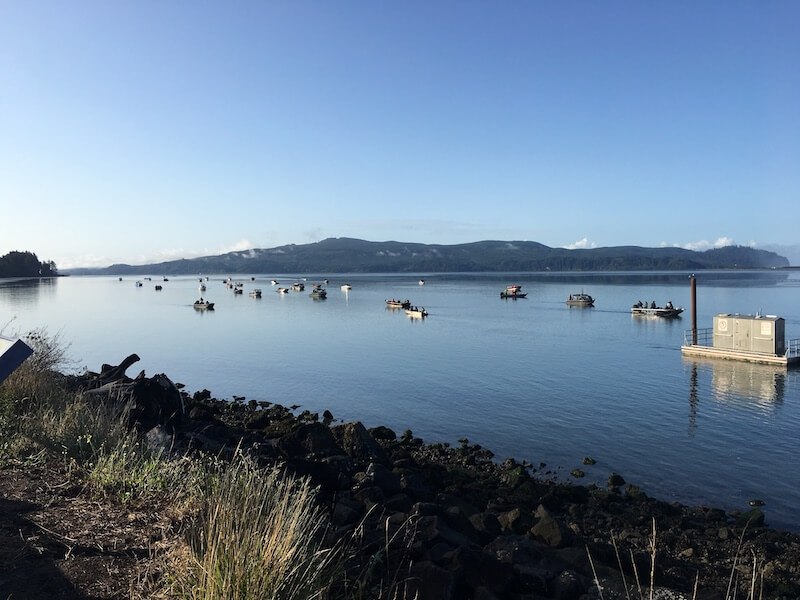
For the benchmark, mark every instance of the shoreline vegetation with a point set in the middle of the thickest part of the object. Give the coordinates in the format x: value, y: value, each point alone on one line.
x: 120, y: 487
x: 26, y: 264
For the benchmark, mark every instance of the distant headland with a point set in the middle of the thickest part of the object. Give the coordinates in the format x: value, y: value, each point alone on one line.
x: 348, y: 255
x: 26, y: 264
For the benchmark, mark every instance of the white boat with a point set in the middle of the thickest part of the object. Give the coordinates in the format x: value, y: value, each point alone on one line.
x: 346, y: 287
x: 281, y: 290
x: 417, y: 312
x: 256, y: 293
x: 513, y: 291
x: 581, y: 300
x: 138, y: 284
x: 398, y: 303
x: 421, y: 282
x: 317, y: 291
x: 203, y: 304
x: 643, y: 310
x: 298, y: 287
x: 274, y: 282
x: 202, y: 287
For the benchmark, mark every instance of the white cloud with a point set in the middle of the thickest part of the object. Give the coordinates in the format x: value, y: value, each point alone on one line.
x: 243, y: 244
x: 703, y: 245
x: 581, y: 244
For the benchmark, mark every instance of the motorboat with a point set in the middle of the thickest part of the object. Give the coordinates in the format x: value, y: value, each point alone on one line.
x: 202, y: 287
x: 398, y: 303
x: 421, y: 282
x: 158, y: 288
x: 513, y: 291
x: 417, y: 312
x: 238, y: 290
x: 318, y: 292
x: 346, y: 287
x: 203, y: 304
x: 580, y: 300
x: 256, y: 293
x: 281, y: 290
x: 298, y: 286
x: 274, y: 282
x: 667, y: 311
x: 138, y: 284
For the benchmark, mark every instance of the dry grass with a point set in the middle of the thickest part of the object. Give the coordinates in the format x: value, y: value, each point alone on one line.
x: 751, y: 588
x: 258, y: 536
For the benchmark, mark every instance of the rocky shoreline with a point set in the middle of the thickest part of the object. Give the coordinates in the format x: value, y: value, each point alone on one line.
x: 446, y: 522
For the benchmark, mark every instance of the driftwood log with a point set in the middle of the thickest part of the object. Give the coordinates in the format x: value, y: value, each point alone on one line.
x: 109, y: 373
x: 151, y: 401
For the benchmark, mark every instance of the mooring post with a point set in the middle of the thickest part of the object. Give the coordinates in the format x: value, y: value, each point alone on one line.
x: 694, y: 309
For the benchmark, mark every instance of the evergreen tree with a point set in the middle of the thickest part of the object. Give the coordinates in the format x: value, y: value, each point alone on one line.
x: 26, y: 264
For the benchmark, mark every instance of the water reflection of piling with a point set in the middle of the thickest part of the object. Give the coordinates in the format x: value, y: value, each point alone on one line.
x: 693, y: 281
x: 693, y: 400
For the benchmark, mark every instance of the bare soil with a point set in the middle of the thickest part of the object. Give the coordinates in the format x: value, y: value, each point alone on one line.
x: 56, y: 541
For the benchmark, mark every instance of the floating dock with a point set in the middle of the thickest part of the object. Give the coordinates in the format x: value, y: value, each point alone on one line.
x: 751, y: 338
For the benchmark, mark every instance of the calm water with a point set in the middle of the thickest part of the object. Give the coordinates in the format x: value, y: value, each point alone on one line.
x: 528, y: 378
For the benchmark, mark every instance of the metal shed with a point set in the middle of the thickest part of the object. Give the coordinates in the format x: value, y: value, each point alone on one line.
x: 763, y: 334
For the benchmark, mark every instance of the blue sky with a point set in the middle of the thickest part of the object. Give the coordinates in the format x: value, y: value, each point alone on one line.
x: 149, y: 130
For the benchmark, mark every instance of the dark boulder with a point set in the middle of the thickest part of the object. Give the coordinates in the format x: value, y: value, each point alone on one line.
x: 358, y: 443
x: 313, y: 440
x: 155, y: 401
x: 549, y: 529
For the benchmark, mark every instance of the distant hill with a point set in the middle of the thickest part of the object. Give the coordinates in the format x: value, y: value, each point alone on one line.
x: 347, y: 255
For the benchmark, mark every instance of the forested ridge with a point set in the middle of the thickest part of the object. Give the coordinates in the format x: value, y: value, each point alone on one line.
x: 347, y: 255
x: 26, y: 264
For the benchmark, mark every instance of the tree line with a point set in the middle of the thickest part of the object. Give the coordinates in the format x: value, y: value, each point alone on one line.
x: 26, y: 264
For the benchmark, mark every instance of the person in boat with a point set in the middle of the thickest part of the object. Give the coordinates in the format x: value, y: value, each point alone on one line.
x: 669, y: 304
x: 653, y: 304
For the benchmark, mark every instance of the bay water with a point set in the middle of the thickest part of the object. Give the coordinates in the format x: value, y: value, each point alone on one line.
x: 530, y: 378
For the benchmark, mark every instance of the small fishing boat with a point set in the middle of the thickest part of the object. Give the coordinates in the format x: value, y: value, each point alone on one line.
x: 256, y: 293
x: 138, y: 284
x: 580, y: 300
x: 398, y: 303
x: 281, y: 290
x: 274, y: 282
x: 202, y: 287
x: 417, y: 312
x: 158, y: 288
x: 421, y: 282
x: 203, y: 304
x: 298, y: 287
x: 667, y: 311
x: 513, y: 291
x: 346, y: 287
x: 238, y: 290
x: 318, y: 292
